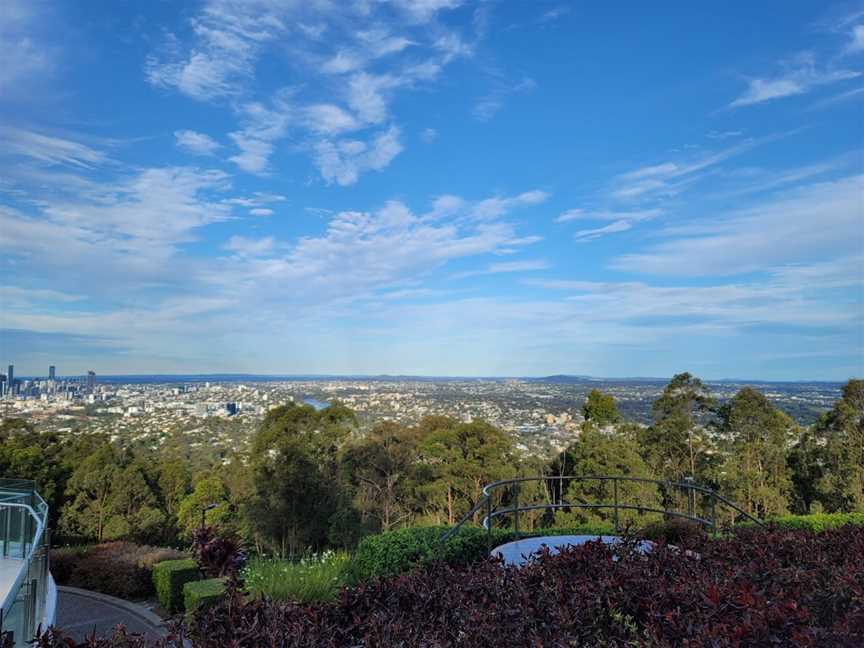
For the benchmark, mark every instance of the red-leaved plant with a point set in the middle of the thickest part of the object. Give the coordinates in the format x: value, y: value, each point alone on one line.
x: 218, y: 554
x: 759, y: 588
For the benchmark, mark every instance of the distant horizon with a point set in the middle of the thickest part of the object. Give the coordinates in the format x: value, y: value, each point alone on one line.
x: 226, y: 376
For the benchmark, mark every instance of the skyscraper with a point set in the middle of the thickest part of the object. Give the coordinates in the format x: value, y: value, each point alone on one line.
x: 52, y: 372
x: 91, y: 381
x: 10, y: 380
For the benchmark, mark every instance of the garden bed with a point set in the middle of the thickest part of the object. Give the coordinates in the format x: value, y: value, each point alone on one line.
x: 759, y: 588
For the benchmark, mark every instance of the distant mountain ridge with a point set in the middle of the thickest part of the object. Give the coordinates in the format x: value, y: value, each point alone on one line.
x: 552, y: 379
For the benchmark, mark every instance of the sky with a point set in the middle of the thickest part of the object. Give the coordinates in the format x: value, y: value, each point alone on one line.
x: 432, y: 187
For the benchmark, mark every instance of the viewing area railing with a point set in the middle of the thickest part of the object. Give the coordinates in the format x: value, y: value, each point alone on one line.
x: 619, y: 495
x: 24, y: 578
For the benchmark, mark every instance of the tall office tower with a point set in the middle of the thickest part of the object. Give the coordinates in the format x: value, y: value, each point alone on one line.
x: 52, y: 372
x: 10, y: 380
x: 91, y: 381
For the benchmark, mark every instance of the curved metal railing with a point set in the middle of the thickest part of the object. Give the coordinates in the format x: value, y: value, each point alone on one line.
x: 29, y: 549
x: 707, y: 517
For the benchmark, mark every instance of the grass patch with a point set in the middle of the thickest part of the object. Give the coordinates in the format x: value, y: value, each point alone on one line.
x: 318, y: 577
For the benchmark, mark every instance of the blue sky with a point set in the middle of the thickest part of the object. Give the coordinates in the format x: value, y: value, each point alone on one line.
x: 432, y: 187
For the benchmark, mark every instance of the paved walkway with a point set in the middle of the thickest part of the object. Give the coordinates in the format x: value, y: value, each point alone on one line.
x: 79, y: 612
x: 521, y: 551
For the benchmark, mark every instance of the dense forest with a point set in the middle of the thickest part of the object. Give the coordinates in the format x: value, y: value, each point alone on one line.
x: 310, y: 479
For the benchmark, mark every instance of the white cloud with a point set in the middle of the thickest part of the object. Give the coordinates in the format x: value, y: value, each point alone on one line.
x: 856, y: 41
x: 229, y: 37
x: 48, y: 148
x: 424, y: 10
x: 22, y: 51
x: 362, y: 253
x: 329, y: 119
x: 249, y: 247
x: 261, y: 211
x: 812, y: 222
x: 195, y: 142
x: 494, y: 207
x: 343, y: 161
x: 670, y: 178
x: 632, y: 216
x: 798, y: 77
x: 843, y: 97
x: 446, y: 205
x: 612, y: 228
x: 254, y: 153
x: 257, y: 199
x: 428, y: 135
x: 489, y: 105
x: 111, y: 231
x: 531, y: 265
x: 553, y: 14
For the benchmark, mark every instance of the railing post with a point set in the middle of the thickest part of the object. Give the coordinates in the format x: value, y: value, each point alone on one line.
x: 689, y: 482
x: 615, y: 491
x: 516, y: 507
x: 714, y: 514
x: 488, y: 523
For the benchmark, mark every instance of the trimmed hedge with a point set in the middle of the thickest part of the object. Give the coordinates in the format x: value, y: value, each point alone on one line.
x: 400, y: 551
x: 203, y: 593
x: 818, y: 521
x: 169, y: 579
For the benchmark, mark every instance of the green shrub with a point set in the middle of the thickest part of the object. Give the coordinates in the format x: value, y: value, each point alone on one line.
x: 169, y: 579
x: 400, y: 551
x: 818, y: 522
x: 675, y: 531
x: 203, y: 593
x: 314, y: 578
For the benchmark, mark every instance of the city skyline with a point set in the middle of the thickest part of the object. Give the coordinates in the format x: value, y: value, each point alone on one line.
x: 436, y: 188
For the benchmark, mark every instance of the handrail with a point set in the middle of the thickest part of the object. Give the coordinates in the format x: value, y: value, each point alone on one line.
x: 690, y: 487
x: 5, y: 607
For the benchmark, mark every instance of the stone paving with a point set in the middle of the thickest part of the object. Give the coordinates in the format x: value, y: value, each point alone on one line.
x: 79, y: 612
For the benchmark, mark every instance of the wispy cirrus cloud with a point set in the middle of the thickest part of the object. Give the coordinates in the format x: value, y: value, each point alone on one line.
x: 810, y: 222
x: 115, y: 232
x: 498, y: 205
x: 797, y: 76
x: 491, y: 103
x: 843, y: 97
x: 49, y: 149
x: 505, y: 267
x: 670, y: 178
x: 610, y: 215
x: 622, y: 221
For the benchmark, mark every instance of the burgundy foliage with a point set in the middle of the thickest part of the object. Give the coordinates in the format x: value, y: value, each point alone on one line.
x: 766, y: 588
x: 217, y: 554
x: 121, y: 569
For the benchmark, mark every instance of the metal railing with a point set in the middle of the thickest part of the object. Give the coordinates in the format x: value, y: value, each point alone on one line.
x: 24, y: 544
x: 701, y: 502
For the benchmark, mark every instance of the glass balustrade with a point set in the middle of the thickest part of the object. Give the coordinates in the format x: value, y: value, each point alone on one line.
x: 24, y: 577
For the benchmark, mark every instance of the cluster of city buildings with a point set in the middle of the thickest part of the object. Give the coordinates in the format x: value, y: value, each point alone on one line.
x: 69, y: 388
